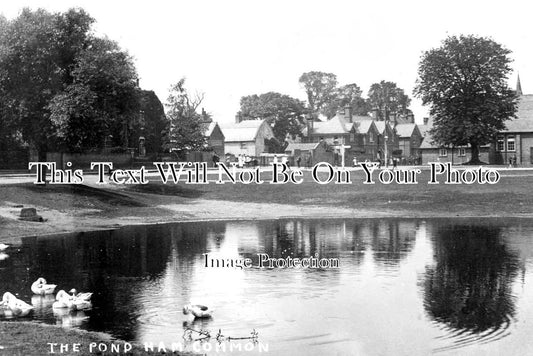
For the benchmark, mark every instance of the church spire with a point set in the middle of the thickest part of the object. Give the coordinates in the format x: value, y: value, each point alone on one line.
x: 518, y: 86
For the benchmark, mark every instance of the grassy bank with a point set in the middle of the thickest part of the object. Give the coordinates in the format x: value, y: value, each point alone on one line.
x: 91, y: 206
x: 24, y: 339
x: 511, y: 196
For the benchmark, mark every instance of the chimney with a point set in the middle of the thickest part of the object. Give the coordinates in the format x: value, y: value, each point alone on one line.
x: 237, y: 118
x: 310, y: 126
x: 426, y: 120
x: 392, y: 118
x: 411, y: 118
x: 348, y: 113
x: 375, y: 114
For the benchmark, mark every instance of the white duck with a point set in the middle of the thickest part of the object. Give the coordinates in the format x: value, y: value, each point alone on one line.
x: 83, y: 296
x: 40, y: 287
x: 15, y: 306
x: 199, y: 311
x: 3, y: 246
x: 64, y: 300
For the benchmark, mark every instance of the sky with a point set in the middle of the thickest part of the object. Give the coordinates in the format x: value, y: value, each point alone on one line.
x: 227, y: 49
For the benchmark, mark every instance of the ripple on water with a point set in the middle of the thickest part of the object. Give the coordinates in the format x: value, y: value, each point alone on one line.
x: 458, y: 339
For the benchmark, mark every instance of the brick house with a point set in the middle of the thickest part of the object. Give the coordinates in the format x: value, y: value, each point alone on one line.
x: 517, y: 139
x: 344, y: 129
x: 429, y: 152
x: 215, y: 138
x: 409, y: 140
x: 248, y: 137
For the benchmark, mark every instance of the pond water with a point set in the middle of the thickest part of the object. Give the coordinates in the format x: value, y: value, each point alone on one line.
x: 403, y: 287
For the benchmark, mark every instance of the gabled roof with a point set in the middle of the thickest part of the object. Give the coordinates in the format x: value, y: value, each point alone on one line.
x: 426, y: 143
x: 524, y: 120
x: 363, y: 126
x: 336, y: 125
x: 380, y: 125
x: 406, y: 130
x: 302, y: 146
x: 210, y: 128
x: 362, y: 118
x: 244, y: 131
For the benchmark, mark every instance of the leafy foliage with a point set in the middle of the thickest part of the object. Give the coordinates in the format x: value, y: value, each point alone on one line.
x: 326, y: 98
x: 465, y: 83
x: 186, y: 127
x: 320, y: 88
x: 387, y: 98
x: 61, y: 85
x: 284, y: 113
x: 98, y: 102
x: 347, y: 95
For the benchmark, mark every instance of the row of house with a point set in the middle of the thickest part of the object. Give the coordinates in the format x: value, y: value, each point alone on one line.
x: 359, y: 138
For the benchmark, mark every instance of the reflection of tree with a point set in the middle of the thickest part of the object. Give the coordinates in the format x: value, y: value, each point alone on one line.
x: 469, y: 289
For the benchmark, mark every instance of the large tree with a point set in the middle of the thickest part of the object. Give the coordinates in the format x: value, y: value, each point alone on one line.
x: 386, y: 98
x: 186, y: 131
x: 284, y: 113
x: 348, y: 95
x: 320, y: 88
x: 465, y: 83
x: 102, y: 100
x: 62, y: 86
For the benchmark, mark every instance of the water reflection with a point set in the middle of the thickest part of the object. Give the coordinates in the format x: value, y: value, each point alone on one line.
x: 470, y: 288
x: 439, y: 284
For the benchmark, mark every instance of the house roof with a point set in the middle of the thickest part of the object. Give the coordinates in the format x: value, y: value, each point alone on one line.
x: 210, y: 128
x: 244, y: 131
x: 524, y: 120
x: 405, y: 130
x: 380, y: 125
x: 362, y: 118
x: 336, y: 125
x: 363, y: 126
x: 302, y: 146
x: 427, y: 144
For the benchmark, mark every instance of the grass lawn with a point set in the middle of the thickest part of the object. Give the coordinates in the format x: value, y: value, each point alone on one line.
x: 512, y: 195
x: 24, y: 338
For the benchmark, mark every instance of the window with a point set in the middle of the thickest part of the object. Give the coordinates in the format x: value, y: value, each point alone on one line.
x: 510, y: 143
x: 352, y: 137
x: 462, y: 152
x: 500, y: 144
x: 371, y: 137
x: 243, y: 145
x: 443, y: 152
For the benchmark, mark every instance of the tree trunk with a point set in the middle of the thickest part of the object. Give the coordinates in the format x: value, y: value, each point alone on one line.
x: 475, y: 154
